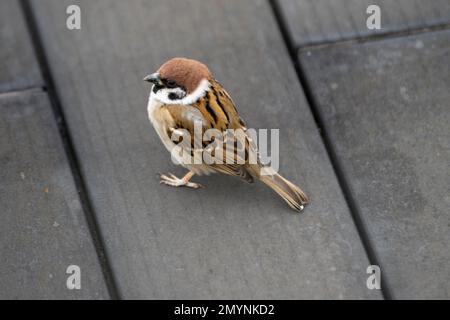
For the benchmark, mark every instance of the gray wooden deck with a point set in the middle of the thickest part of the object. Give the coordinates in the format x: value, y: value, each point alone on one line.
x: 364, y: 123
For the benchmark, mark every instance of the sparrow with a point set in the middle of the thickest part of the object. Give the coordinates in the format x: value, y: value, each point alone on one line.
x: 185, y: 93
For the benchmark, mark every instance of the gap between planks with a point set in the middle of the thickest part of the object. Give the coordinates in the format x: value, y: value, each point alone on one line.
x: 334, y: 159
x: 69, y: 149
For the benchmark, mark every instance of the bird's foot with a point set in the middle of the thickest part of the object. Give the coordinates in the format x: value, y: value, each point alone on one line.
x: 173, y: 181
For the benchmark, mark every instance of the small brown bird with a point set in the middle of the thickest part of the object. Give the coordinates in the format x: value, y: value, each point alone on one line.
x: 185, y: 94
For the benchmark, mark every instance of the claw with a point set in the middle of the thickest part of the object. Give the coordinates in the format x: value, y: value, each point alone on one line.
x: 171, y: 180
x: 195, y: 185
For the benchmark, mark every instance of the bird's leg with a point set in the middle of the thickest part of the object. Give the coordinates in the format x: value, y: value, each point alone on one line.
x: 173, y: 181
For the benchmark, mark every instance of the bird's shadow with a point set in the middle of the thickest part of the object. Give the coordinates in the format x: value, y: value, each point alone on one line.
x: 223, y: 193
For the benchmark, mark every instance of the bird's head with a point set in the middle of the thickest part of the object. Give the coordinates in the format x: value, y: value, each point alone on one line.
x: 180, y: 81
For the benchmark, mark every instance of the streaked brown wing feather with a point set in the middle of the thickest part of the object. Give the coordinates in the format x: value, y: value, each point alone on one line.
x: 216, y: 110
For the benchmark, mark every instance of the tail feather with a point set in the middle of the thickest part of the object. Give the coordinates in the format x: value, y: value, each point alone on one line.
x: 292, y: 194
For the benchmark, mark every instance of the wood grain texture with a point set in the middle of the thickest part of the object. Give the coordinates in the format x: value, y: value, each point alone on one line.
x: 18, y: 66
x: 386, y: 107
x: 42, y: 227
x: 315, y: 21
x: 231, y: 239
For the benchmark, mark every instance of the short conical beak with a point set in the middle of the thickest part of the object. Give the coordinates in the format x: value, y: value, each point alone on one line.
x: 153, y: 78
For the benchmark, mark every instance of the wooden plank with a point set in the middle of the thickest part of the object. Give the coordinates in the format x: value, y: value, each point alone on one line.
x: 231, y: 239
x: 42, y: 228
x: 315, y: 21
x: 18, y: 67
x: 386, y: 107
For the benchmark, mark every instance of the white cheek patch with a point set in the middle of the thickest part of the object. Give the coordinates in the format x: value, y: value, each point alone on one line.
x: 163, y: 94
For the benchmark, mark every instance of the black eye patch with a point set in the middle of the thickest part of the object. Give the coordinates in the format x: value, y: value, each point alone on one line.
x: 170, y: 83
x: 156, y: 88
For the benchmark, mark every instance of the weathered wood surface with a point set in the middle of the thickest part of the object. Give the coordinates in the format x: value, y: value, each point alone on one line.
x: 18, y: 66
x: 42, y: 229
x: 385, y: 105
x: 313, y: 21
x: 230, y: 240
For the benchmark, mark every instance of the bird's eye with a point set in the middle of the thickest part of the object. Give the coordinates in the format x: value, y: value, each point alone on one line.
x: 171, y: 83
